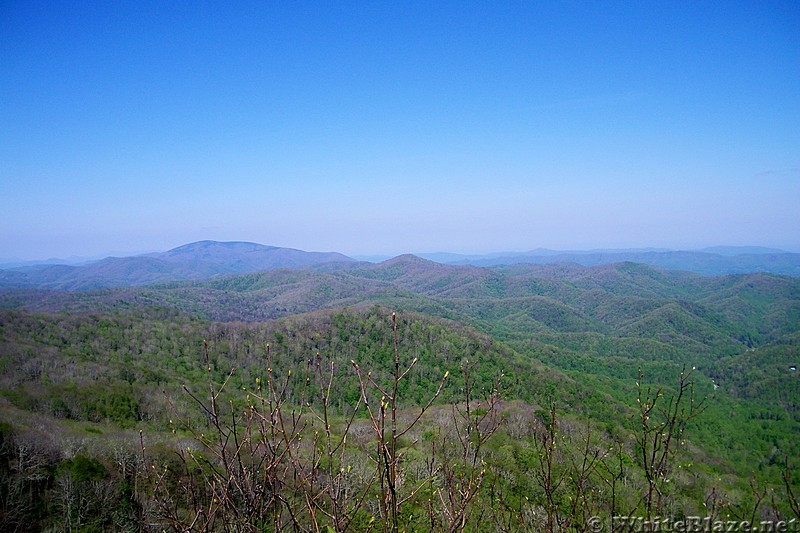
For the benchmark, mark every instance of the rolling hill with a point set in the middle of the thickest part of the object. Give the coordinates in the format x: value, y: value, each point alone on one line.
x: 581, y: 339
x: 713, y: 314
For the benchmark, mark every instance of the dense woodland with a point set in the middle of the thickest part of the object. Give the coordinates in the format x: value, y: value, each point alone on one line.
x: 515, y: 398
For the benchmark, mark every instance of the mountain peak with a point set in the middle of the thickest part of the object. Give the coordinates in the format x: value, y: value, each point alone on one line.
x: 241, y: 246
x: 408, y: 259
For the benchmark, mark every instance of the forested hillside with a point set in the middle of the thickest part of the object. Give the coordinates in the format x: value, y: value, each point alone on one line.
x: 518, y: 398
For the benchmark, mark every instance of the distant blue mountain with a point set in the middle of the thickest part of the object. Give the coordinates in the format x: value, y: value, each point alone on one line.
x: 741, y: 250
x: 195, y: 261
x: 19, y: 263
x: 710, y: 261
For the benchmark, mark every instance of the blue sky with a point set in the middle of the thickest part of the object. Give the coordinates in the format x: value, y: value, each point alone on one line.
x: 392, y: 127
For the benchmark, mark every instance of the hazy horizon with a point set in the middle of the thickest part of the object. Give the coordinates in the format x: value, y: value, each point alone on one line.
x: 381, y: 129
x: 76, y: 259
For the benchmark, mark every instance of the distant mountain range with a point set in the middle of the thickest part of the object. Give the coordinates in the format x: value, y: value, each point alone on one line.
x: 715, y: 261
x: 211, y: 259
x: 195, y: 261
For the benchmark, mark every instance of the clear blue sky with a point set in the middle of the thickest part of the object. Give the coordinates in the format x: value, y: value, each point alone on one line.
x: 391, y: 127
